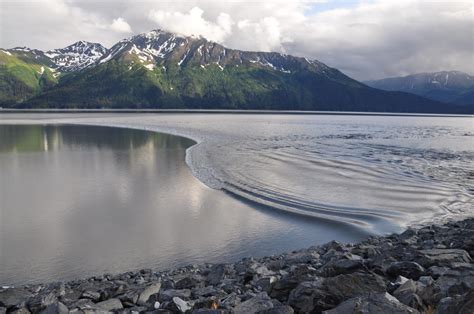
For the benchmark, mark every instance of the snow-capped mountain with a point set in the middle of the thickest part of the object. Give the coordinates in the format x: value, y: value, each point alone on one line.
x: 159, y: 69
x: 77, y: 56
x: 445, y: 86
x: 158, y: 47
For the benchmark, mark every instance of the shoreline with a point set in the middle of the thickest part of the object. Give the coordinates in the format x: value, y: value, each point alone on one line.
x: 235, y: 111
x: 425, y: 269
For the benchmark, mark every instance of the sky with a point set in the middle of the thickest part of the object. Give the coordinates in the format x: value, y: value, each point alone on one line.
x: 366, y: 39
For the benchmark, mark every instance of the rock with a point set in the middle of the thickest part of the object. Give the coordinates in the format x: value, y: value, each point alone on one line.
x: 147, y: 292
x: 41, y: 301
x: 22, y: 310
x: 281, y: 309
x: 281, y: 289
x: 343, y: 287
x: 266, y: 283
x: 182, y: 305
x: 3, y: 310
x: 56, y: 308
x: 426, y: 280
x: 462, y: 304
x: 303, y: 257
x: 14, y: 296
x: 258, y: 303
x: 310, y: 296
x: 205, y: 292
x: 188, y: 283
x: 442, y: 257
x: 109, y: 305
x: 168, y: 295
x: 216, y: 274
x: 372, y: 303
x: 407, y: 294
x: 409, y: 270
x: 91, y: 295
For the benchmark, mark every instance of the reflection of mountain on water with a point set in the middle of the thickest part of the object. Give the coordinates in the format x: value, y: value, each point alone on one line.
x: 32, y: 138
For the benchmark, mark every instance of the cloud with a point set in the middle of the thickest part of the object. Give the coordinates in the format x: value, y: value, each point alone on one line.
x: 193, y: 23
x: 366, y: 39
x: 120, y: 25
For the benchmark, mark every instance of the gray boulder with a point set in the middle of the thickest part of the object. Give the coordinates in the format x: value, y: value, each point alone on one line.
x: 442, y: 257
x: 109, y: 305
x: 409, y: 270
x: 258, y: 303
x: 372, y: 303
x: 148, y: 292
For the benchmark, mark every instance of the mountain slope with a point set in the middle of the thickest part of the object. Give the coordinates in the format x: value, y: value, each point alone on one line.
x: 77, y: 56
x: 164, y: 70
x: 23, y: 74
x: 446, y: 86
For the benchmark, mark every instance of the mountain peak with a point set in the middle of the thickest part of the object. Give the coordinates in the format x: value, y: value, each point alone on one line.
x: 76, y: 56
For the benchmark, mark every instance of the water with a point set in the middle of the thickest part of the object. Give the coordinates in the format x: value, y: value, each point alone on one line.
x: 110, y: 199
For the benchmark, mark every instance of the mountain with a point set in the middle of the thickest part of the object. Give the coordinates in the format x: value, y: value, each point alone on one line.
x: 76, y: 56
x: 24, y: 73
x: 159, y: 69
x: 446, y: 86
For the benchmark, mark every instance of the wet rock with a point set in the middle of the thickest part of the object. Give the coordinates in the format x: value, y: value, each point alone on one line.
x: 372, y: 303
x: 258, y: 303
x: 109, y: 305
x: 411, y: 270
x: 148, y: 292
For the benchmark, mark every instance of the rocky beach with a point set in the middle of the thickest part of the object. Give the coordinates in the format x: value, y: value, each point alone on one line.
x: 422, y: 270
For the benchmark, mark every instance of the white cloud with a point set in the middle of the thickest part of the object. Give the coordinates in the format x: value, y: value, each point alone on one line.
x: 120, y: 25
x: 364, y: 38
x: 193, y: 23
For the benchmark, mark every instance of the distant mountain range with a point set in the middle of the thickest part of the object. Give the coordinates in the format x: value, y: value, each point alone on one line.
x: 446, y: 86
x: 159, y: 69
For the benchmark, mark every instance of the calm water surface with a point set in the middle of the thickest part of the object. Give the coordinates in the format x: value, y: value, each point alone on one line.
x: 82, y: 200
x: 79, y: 199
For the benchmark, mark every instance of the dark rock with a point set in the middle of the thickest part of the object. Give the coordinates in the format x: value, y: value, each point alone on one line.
x: 56, y: 308
x: 343, y: 287
x: 280, y: 309
x: 216, y: 274
x: 409, y: 270
x: 407, y: 294
x: 189, y: 283
x: 258, y: 303
x: 281, y: 289
x: 168, y: 295
x: 22, y: 310
x: 462, y: 304
x: 372, y: 303
x: 311, y: 296
x: 14, y: 296
x: 442, y: 257
x: 41, y: 301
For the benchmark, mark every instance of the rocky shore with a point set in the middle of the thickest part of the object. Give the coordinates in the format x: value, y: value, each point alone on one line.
x: 425, y: 270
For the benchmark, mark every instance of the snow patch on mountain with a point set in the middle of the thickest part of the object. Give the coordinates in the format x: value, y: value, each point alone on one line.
x: 77, y: 56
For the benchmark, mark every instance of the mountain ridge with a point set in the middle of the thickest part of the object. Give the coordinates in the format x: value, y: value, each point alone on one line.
x: 446, y: 86
x: 159, y: 69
